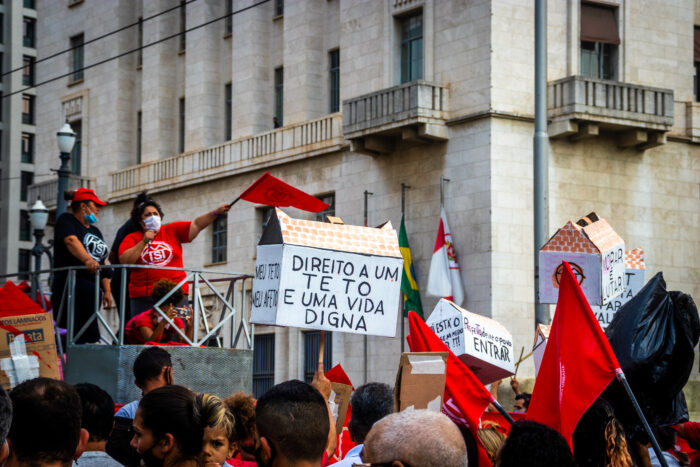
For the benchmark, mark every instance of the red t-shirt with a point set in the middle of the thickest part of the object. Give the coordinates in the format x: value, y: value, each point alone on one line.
x: 145, y: 319
x: 164, y: 250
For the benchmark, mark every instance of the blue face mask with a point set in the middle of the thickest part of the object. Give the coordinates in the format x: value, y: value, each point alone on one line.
x: 91, y: 218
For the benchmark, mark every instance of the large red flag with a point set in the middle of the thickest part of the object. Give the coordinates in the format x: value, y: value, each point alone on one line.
x: 465, y: 397
x: 578, y: 362
x: 274, y: 192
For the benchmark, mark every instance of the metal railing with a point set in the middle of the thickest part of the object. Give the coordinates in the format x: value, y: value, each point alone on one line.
x: 227, y: 295
x: 218, y: 161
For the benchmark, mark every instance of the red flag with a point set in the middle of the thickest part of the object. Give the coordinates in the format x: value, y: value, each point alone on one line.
x: 465, y: 397
x: 345, y: 444
x: 578, y: 362
x: 274, y: 192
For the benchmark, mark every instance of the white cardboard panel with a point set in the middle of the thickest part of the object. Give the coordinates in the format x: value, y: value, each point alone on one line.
x: 634, y: 281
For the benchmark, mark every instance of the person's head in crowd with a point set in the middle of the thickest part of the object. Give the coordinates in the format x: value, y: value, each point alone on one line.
x: 492, y: 438
x: 144, y: 207
x: 522, y: 402
x: 84, y: 204
x: 415, y: 438
x: 369, y: 403
x: 292, y: 425
x: 153, y: 369
x: 45, y: 427
x: 5, y: 420
x: 219, y: 431
x: 599, y: 438
x: 532, y: 444
x: 242, y: 406
x: 162, y: 288
x: 168, y: 425
x: 470, y: 443
x: 98, y: 414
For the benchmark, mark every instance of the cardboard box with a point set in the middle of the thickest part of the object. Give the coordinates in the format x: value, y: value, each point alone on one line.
x: 336, y: 277
x: 339, y: 402
x: 40, y: 342
x: 634, y: 281
x: 483, y: 344
x: 541, y: 336
x: 420, y: 381
x: 596, y: 254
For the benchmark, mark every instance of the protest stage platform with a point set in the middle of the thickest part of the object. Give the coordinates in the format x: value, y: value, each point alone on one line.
x: 210, y: 370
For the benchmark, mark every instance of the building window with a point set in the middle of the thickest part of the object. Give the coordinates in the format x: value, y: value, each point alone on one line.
x: 29, y: 32
x: 139, y: 54
x: 265, y: 214
x: 228, y: 112
x: 278, y: 119
x: 329, y: 199
x: 30, y: 4
x: 183, y: 24
x: 263, y: 364
x: 2, y: 28
x: 28, y: 71
x: 279, y: 7
x: 25, y: 226
x: 599, y: 41
x: 77, y: 57
x: 412, y: 48
x: 76, y: 155
x: 181, y: 134
x: 229, y: 17
x: 28, y: 148
x: 138, y: 137
x: 696, y: 59
x: 24, y: 263
x: 219, y: 232
x: 311, y: 350
x: 334, y: 79
x: 27, y: 109
x: 26, y: 179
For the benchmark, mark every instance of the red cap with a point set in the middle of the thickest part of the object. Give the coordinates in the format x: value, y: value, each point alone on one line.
x: 87, y: 194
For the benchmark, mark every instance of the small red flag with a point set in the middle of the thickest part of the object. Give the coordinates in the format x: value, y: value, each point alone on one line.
x: 578, y: 362
x: 274, y: 192
x: 465, y: 398
x: 345, y: 444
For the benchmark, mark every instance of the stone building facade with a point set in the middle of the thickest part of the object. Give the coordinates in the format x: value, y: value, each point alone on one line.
x: 372, y: 94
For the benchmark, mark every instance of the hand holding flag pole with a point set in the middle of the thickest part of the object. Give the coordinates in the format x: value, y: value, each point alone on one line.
x: 272, y: 191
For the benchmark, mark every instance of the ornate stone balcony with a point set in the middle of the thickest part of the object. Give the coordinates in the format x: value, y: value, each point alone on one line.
x: 692, y: 120
x: 289, y: 143
x: 47, y: 190
x: 580, y: 107
x: 413, y: 111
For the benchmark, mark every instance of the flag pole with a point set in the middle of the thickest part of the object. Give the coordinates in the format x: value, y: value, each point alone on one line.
x: 234, y: 202
x: 502, y: 411
x: 321, y: 348
x: 367, y: 195
x: 620, y: 375
x: 442, y: 190
x: 404, y: 187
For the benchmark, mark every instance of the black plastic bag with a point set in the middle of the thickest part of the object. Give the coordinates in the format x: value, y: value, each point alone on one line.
x: 653, y: 336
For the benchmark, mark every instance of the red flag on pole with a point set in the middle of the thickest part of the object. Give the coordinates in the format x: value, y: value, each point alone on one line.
x: 465, y: 398
x: 274, y: 192
x: 578, y: 362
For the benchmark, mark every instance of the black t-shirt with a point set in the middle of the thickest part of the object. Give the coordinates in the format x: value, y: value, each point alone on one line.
x: 90, y: 237
x: 127, y: 228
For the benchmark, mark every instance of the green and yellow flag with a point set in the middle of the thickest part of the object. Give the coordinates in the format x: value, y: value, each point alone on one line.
x: 409, y: 285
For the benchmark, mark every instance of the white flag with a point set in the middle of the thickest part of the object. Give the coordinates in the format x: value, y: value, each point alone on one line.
x: 444, y: 279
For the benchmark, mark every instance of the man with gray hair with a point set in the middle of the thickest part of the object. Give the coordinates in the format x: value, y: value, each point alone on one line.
x: 413, y: 438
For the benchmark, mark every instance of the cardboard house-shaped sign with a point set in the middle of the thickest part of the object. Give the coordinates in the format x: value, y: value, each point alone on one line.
x: 634, y: 281
x: 596, y: 254
x: 483, y: 344
x: 327, y: 276
x: 541, y: 336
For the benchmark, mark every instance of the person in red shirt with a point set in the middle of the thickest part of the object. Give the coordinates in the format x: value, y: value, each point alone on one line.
x: 158, y: 245
x: 150, y: 326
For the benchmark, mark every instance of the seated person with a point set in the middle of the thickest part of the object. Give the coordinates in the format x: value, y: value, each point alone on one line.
x: 150, y: 326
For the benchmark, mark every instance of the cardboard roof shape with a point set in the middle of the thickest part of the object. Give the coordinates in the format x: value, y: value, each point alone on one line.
x: 379, y: 241
x: 591, y: 234
x: 14, y: 302
x: 634, y: 259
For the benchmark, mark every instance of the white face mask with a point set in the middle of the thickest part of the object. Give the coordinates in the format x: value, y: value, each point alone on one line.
x: 152, y: 223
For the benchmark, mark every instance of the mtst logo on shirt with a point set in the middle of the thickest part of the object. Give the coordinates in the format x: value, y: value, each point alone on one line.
x: 95, y: 247
x: 157, y: 254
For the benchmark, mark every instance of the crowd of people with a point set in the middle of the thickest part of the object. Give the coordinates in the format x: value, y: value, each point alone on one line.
x: 46, y: 422
x: 142, y: 240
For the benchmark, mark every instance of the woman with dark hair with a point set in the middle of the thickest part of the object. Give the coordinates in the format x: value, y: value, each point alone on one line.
x: 158, y: 245
x: 77, y: 242
x: 599, y: 438
x: 150, y: 326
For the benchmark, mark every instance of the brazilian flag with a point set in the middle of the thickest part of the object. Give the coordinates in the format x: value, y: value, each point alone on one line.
x: 409, y: 285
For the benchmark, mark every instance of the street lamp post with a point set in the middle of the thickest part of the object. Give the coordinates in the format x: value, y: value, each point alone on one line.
x: 66, y: 140
x: 38, y: 215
